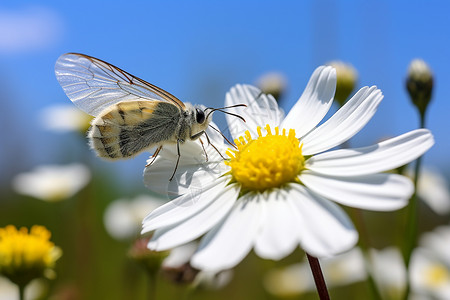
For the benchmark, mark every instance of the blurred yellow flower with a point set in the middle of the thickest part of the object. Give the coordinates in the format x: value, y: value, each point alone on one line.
x: 25, y: 255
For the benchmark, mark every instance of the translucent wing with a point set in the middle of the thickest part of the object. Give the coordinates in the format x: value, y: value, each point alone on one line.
x: 93, y: 84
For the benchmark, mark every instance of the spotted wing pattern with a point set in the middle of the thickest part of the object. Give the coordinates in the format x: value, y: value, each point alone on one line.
x: 128, y: 128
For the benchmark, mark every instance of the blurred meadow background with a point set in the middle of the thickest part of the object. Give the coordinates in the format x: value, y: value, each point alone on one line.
x: 196, y: 50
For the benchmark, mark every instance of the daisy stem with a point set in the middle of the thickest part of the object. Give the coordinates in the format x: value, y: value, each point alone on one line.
x: 318, y: 277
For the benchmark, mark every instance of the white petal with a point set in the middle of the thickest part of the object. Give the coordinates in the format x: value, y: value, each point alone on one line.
x: 314, y: 102
x: 183, y: 207
x: 380, y: 192
x: 261, y: 109
x: 193, y: 171
x: 326, y: 229
x: 179, y: 256
x: 383, y: 156
x: 345, y: 123
x: 230, y: 241
x: 189, y: 229
x: 279, y: 234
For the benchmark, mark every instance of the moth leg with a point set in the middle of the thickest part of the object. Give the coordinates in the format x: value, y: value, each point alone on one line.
x: 204, y: 150
x: 178, y: 160
x: 209, y: 143
x: 154, y: 156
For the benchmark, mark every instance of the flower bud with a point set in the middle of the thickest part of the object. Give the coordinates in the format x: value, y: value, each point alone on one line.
x: 272, y: 83
x: 150, y: 260
x: 347, y: 76
x: 184, y: 274
x: 420, y: 84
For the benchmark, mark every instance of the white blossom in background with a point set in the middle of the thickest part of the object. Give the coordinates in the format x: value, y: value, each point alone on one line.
x: 123, y: 217
x: 347, y: 77
x: 389, y: 272
x: 64, y: 118
x: 36, y: 289
x: 278, y: 189
x: 430, y: 265
x: 341, y: 270
x: 181, y: 255
x: 52, y: 183
x: 433, y: 190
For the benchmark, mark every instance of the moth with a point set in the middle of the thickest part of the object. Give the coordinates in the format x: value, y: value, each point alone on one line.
x: 131, y: 114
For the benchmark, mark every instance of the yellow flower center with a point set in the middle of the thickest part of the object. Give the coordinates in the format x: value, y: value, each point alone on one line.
x: 25, y: 256
x: 437, y: 275
x: 266, y: 162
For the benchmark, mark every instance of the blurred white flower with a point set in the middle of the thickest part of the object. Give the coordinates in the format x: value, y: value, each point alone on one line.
x: 178, y: 261
x: 273, y: 83
x: 36, y: 289
x: 296, y: 279
x: 123, y: 217
x: 63, y: 118
x: 389, y: 272
x: 433, y: 190
x: 28, y: 29
x: 52, y: 182
x: 430, y: 265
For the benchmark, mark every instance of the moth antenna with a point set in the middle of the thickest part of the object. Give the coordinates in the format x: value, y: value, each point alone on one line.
x: 228, y: 113
x: 228, y: 141
x: 226, y: 107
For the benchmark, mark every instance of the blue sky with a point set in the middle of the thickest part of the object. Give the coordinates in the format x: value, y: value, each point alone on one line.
x: 198, y: 49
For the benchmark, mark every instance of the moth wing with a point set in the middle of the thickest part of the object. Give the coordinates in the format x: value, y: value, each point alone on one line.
x: 92, y: 84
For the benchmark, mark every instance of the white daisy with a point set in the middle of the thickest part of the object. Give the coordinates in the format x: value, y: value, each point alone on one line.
x: 65, y: 118
x: 433, y: 190
x: 123, y: 217
x: 389, y: 272
x: 277, y: 190
x: 430, y: 265
x: 52, y: 183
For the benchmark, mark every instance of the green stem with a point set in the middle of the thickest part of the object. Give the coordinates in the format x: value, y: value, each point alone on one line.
x: 21, y: 291
x: 151, y: 285
x: 411, y: 214
x: 364, y: 245
x: 318, y: 277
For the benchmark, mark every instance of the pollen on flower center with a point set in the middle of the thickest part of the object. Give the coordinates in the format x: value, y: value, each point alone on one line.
x: 437, y: 275
x: 266, y: 162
